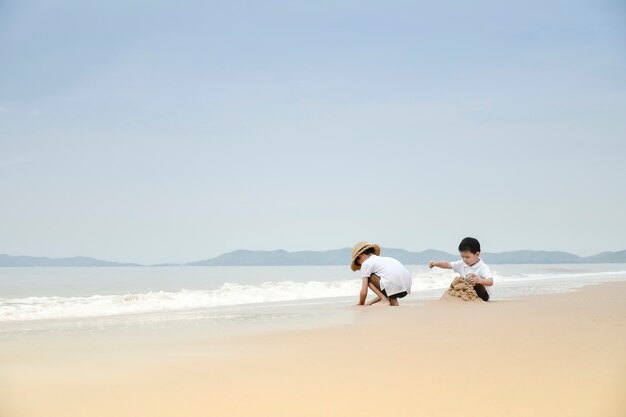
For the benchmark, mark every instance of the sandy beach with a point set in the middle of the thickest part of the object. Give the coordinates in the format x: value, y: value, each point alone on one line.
x: 550, y: 355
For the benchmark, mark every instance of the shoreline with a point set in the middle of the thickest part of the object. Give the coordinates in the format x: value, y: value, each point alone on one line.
x: 541, y: 355
x: 38, y: 301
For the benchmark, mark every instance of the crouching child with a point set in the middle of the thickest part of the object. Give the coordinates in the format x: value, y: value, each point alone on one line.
x: 386, y: 277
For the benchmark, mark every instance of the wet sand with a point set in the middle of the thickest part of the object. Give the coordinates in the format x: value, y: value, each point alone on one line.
x: 552, y: 355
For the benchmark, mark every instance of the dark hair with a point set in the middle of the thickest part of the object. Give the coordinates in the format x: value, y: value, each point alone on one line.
x: 470, y: 244
x: 369, y: 251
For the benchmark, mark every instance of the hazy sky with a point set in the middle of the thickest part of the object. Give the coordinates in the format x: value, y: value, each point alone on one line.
x: 168, y: 132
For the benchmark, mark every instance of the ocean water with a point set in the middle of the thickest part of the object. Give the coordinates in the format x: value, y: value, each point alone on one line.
x: 41, y: 298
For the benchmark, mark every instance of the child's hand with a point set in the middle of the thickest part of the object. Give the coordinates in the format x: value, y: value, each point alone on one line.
x: 474, y: 279
x: 431, y: 264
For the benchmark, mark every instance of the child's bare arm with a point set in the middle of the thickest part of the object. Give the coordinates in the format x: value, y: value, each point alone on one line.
x: 363, y: 293
x: 488, y: 282
x: 374, y: 301
x: 379, y: 295
x: 439, y: 264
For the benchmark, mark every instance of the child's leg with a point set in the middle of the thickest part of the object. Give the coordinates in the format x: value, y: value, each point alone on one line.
x: 393, y: 299
x: 481, y: 291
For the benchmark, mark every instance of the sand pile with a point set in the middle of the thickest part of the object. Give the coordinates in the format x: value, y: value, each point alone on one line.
x: 462, y: 288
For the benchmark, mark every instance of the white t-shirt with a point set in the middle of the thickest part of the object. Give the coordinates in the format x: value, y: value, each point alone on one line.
x: 479, y: 268
x: 394, y: 277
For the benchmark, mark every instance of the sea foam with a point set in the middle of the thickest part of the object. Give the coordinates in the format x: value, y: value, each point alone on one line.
x: 38, y: 308
x: 233, y: 294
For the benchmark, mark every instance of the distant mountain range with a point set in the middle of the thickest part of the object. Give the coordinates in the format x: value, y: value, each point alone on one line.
x: 332, y: 257
x: 342, y: 257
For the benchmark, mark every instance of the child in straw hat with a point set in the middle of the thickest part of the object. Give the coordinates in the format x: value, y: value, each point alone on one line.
x: 386, y: 277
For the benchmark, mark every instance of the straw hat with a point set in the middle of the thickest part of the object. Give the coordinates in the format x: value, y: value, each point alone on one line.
x: 359, y: 248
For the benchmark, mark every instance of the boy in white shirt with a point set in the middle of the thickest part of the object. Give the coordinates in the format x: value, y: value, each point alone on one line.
x: 470, y: 266
x: 386, y: 277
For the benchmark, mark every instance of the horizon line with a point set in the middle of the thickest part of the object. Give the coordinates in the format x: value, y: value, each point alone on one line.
x: 133, y: 263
